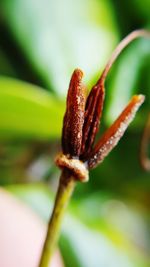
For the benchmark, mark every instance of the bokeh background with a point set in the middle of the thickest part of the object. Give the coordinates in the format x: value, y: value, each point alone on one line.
x: 41, y: 43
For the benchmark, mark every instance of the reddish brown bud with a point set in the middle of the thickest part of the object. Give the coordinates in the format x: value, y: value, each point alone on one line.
x: 93, y: 111
x: 112, y: 136
x: 74, y: 116
x: 81, y: 122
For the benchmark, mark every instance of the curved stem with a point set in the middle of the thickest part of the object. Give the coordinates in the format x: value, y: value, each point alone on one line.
x: 127, y: 40
x: 65, y: 189
x: 145, y: 161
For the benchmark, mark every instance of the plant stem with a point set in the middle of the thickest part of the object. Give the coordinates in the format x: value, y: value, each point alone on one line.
x: 127, y: 40
x: 65, y: 189
x: 145, y: 161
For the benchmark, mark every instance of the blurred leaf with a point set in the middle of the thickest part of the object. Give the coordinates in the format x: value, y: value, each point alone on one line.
x: 31, y: 193
x: 27, y: 111
x: 58, y: 36
x: 82, y: 246
x: 121, y: 172
x: 5, y: 66
x: 142, y: 9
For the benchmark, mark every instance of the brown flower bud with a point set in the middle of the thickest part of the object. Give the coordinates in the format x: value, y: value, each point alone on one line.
x: 93, y: 112
x: 112, y: 136
x: 74, y: 116
x: 82, y: 119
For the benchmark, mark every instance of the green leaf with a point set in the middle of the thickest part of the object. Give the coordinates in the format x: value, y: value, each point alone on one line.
x: 59, y: 36
x: 141, y: 9
x: 27, y: 111
x: 5, y: 66
x: 82, y: 246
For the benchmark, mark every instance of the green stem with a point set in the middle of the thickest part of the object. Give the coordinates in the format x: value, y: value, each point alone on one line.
x: 65, y: 189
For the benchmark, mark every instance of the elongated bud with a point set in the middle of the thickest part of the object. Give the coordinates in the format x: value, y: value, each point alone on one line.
x: 93, y: 112
x: 74, y: 116
x: 112, y: 136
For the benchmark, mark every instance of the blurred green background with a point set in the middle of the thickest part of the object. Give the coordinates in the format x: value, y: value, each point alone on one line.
x: 41, y: 43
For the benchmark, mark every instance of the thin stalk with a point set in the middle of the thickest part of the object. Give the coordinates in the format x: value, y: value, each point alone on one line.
x: 65, y: 189
x: 126, y: 41
x: 145, y: 161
